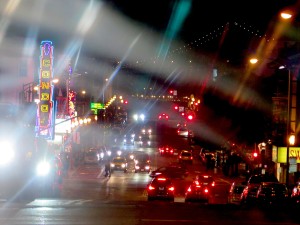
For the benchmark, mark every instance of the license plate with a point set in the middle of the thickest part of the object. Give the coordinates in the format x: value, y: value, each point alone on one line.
x: 161, y: 188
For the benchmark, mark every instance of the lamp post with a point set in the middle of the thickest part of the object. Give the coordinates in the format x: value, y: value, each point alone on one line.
x: 288, y: 128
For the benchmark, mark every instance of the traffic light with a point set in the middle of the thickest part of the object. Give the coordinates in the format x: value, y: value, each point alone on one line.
x: 255, y: 154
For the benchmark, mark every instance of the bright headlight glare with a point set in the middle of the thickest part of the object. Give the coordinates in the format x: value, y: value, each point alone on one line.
x: 123, y: 165
x: 6, y: 153
x: 43, y: 168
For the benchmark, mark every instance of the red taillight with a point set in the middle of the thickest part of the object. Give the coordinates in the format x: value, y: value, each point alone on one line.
x: 191, y: 157
x: 197, y: 182
x: 213, y: 184
x: 206, y: 190
x: 161, y: 179
x: 189, y: 189
x: 171, y: 188
x: 151, y: 187
x: 180, y: 157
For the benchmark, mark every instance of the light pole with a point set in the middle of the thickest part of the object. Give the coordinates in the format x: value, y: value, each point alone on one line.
x: 288, y: 128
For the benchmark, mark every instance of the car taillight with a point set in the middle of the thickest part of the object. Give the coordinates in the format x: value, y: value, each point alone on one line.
x: 171, y: 188
x: 206, y: 190
x: 189, y: 189
x: 191, y: 157
x: 197, y: 182
x: 151, y: 187
x: 161, y: 179
x: 213, y: 184
x: 180, y: 157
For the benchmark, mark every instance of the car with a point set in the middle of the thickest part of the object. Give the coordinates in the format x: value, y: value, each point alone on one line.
x: 142, y: 163
x: 146, y: 131
x: 145, y: 141
x: 129, y: 139
x: 118, y: 163
x: 295, y: 195
x: 252, y: 185
x: 272, y: 193
x: 185, y: 157
x: 163, y: 116
x: 172, y: 171
x: 197, y: 191
x: 91, y: 156
x: 161, y: 187
x: 166, y: 150
x: 206, y: 180
x: 183, y: 131
x: 235, y: 194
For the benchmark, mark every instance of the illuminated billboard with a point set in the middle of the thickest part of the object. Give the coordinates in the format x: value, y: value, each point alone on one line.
x: 45, y: 107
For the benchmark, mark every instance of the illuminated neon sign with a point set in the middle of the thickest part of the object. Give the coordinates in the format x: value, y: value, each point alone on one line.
x: 45, y: 106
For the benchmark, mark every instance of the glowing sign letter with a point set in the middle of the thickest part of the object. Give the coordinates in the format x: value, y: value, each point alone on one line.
x: 45, y: 97
x: 44, y: 108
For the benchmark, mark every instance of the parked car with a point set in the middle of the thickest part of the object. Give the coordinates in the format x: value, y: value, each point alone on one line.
x: 161, y: 187
x: 235, y: 195
x: 295, y: 195
x: 252, y: 185
x: 272, y: 193
x: 173, y: 171
x: 185, y: 156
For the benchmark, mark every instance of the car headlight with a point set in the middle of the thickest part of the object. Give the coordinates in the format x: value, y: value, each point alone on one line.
x: 147, y: 167
x: 123, y: 165
x: 112, y: 165
x: 109, y: 153
x: 43, y: 168
x: 137, y: 167
x: 7, y: 153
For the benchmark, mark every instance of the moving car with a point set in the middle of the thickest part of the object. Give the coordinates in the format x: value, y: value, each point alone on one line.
x: 128, y: 139
x: 163, y: 116
x: 91, y: 156
x: 173, y: 171
x: 235, y: 194
x: 119, y: 163
x: 166, y: 150
x: 185, y: 157
x: 161, y: 187
x: 197, y: 191
x: 206, y: 180
x: 272, y: 193
x: 142, y: 163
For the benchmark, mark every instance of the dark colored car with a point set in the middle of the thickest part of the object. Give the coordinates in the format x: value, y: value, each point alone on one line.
x: 166, y: 150
x: 235, y: 194
x: 272, y: 193
x: 197, y: 191
x: 142, y: 163
x: 173, y: 172
x: 206, y: 180
x: 250, y: 191
x: 160, y: 187
x: 295, y: 195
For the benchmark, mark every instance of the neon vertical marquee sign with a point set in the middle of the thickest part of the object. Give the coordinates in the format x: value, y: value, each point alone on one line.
x: 45, y: 106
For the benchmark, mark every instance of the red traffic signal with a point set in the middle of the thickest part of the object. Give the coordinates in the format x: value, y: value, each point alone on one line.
x: 255, y: 154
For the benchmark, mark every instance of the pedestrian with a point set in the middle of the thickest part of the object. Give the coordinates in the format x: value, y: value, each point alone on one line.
x: 107, y: 169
